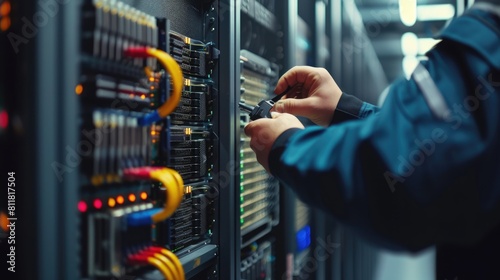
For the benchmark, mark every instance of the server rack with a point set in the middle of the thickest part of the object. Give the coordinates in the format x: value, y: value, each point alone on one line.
x: 55, y: 88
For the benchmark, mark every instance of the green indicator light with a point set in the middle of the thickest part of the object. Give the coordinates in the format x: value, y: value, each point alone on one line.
x: 241, y: 177
x: 242, y: 166
x: 242, y: 220
x: 241, y: 210
x: 242, y: 189
x: 241, y: 199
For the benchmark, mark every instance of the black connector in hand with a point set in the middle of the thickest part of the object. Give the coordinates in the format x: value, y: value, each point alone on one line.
x: 263, y: 109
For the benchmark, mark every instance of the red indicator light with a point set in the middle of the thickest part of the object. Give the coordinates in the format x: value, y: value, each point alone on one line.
x: 4, y: 119
x: 97, y: 203
x: 82, y: 206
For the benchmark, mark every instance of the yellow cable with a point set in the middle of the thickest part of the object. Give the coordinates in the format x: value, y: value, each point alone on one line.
x: 180, y: 182
x: 176, y: 77
x: 169, y: 264
x: 176, y: 262
x: 171, y: 180
x: 149, y: 72
x: 158, y: 264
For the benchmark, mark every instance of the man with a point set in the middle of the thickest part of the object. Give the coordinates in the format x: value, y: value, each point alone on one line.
x: 423, y: 169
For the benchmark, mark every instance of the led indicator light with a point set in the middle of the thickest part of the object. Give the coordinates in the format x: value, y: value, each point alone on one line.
x: 131, y: 197
x: 5, y: 9
x: 111, y: 202
x: 82, y: 206
x: 97, y: 203
x: 4, y: 119
x: 144, y: 195
x: 4, y: 221
x: 78, y: 89
x: 120, y: 199
x: 5, y: 23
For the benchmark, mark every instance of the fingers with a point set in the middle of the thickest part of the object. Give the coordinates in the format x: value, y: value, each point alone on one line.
x: 251, y: 127
x: 296, y: 75
x: 297, y: 107
x: 275, y: 115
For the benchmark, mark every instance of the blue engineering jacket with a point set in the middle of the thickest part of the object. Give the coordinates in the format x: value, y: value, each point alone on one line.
x: 425, y: 167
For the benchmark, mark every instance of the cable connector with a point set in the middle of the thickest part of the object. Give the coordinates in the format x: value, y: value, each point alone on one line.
x: 176, y: 77
x: 171, y: 179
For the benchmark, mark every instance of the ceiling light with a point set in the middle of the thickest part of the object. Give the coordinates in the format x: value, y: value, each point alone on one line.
x: 408, y: 12
x: 435, y: 12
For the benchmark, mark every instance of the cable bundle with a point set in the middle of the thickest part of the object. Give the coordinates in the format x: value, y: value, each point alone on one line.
x: 164, y: 260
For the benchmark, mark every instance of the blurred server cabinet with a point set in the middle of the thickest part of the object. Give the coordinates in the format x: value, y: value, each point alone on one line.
x: 125, y: 191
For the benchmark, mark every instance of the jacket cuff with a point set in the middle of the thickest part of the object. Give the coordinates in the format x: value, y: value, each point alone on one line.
x: 278, y: 148
x: 348, y: 108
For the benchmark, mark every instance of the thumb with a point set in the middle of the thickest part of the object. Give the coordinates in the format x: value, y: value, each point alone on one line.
x: 298, y: 107
x: 275, y: 115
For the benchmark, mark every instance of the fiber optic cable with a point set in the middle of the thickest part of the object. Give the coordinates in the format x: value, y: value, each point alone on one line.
x: 168, y: 264
x: 151, y: 256
x: 162, y: 268
x: 172, y: 257
x: 175, y: 261
x: 168, y: 177
x: 174, y: 186
x: 176, y: 77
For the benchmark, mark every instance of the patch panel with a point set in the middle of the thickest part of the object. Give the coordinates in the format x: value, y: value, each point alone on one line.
x: 197, y: 103
x: 118, y: 142
x: 177, y: 232
x: 190, y: 139
x: 118, y: 93
x: 195, y: 57
x: 192, y: 221
x: 110, y: 27
x: 191, y: 152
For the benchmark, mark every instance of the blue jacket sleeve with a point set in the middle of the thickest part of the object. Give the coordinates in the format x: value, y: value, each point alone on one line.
x: 403, y: 177
x: 352, y: 108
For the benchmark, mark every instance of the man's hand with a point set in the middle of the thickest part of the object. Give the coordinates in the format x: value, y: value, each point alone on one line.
x: 317, y: 98
x: 263, y: 133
